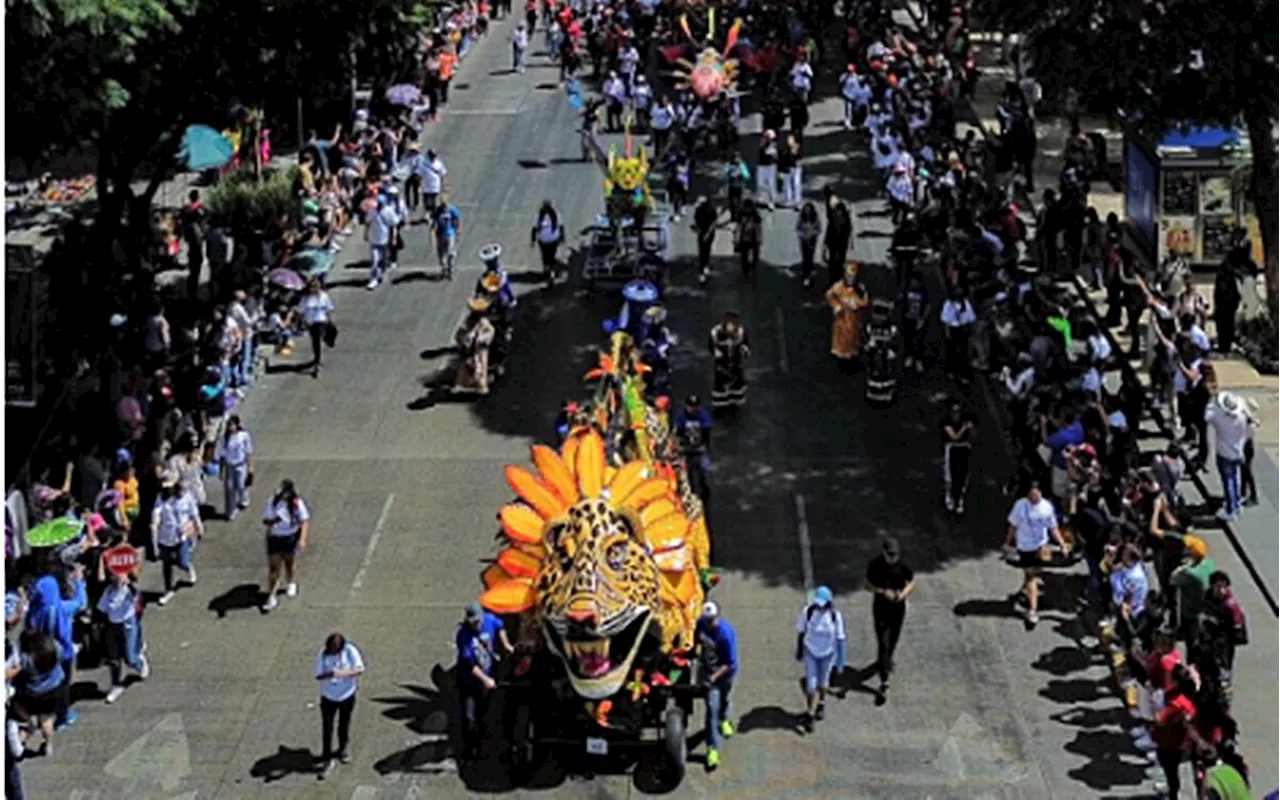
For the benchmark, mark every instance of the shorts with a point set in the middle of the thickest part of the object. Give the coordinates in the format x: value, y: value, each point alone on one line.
x: 1029, y: 559
x: 283, y: 545
x: 817, y: 671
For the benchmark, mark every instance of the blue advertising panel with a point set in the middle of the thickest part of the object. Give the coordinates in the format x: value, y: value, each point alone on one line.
x: 1141, y: 185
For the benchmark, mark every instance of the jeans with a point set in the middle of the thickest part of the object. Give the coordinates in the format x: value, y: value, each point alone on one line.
x: 235, y: 487
x: 849, y: 107
x: 13, y: 781
x: 817, y: 671
x: 341, y: 709
x: 379, y: 256
x: 717, y: 710
x: 517, y: 59
x: 172, y: 555
x: 1229, y: 472
x: 793, y: 189
x: 124, y: 648
x: 767, y: 183
x: 248, y: 360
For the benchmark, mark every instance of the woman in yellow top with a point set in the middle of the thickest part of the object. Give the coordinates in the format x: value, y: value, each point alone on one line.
x: 126, y: 484
x: 847, y: 300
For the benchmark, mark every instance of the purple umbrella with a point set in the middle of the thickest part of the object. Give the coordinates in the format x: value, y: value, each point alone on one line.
x: 403, y: 94
x: 286, y: 279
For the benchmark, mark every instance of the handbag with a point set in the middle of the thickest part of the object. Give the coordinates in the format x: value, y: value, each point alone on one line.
x: 330, y: 334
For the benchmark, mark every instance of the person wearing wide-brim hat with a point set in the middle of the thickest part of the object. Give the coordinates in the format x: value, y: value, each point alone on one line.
x: 475, y: 338
x: 730, y: 348
x: 847, y: 298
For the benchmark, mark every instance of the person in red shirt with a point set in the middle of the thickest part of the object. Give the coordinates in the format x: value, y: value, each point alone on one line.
x: 1161, y: 663
x: 1175, y: 729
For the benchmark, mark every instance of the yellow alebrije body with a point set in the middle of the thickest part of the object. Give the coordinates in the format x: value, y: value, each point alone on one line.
x: 596, y: 556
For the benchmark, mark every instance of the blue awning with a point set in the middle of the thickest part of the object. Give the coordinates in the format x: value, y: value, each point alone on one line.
x: 1202, y: 139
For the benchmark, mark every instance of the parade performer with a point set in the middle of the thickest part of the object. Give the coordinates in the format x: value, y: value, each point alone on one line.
x: 637, y: 298
x: 626, y: 186
x: 495, y: 280
x: 713, y: 73
x: 655, y: 349
x: 882, y: 354
x: 475, y: 335
x: 847, y: 299
x: 729, y: 350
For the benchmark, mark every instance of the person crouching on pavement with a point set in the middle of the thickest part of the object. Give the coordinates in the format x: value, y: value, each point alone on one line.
x: 288, y: 522
x: 820, y: 644
x: 479, y: 636
x: 718, y: 649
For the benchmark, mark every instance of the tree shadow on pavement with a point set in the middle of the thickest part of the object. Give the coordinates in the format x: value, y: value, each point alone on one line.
x: 284, y: 762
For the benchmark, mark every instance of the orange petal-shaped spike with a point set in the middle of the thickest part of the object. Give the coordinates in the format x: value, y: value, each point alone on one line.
x: 555, y: 472
x: 517, y: 563
x: 646, y: 492
x: 593, y: 374
x: 533, y: 491
x: 625, y: 481
x: 494, y: 575
x: 667, y: 533
x: 687, y: 586
x: 655, y: 511
x: 509, y: 597
x: 590, y: 465
x: 569, y: 450
x: 522, y: 524
x: 536, y: 551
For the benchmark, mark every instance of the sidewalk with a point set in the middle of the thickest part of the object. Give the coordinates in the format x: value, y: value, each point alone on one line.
x: 1247, y: 549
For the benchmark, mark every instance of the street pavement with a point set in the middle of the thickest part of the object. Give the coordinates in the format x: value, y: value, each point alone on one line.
x: 404, y: 488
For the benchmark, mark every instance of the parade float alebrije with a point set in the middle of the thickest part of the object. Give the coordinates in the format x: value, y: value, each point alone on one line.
x: 626, y: 184
x: 605, y: 557
x: 713, y: 72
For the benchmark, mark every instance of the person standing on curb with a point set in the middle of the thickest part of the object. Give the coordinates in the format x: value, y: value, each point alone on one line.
x: 820, y: 644
x: 288, y: 522
x: 477, y: 642
x: 891, y: 582
x: 339, y: 666
x: 175, y: 525
x: 718, y: 647
x: 236, y: 459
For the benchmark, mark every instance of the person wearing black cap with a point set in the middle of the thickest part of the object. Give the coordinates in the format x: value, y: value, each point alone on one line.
x: 479, y: 636
x: 890, y: 582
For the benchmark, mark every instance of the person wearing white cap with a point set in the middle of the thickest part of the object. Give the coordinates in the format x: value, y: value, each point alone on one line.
x: 820, y: 644
x: 1232, y: 427
x: 718, y: 662
x: 175, y: 525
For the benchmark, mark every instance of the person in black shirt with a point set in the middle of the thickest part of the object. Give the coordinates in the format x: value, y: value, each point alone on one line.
x: 915, y: 321
x: 891, y: 582
x: 957, y: 428
x: 705, y: 218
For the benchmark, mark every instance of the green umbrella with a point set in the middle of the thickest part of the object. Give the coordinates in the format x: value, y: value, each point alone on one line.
x: 311, y: 263
x: 54, y: 532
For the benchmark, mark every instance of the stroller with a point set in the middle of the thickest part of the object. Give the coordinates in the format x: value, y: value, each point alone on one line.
x: 881, y: 354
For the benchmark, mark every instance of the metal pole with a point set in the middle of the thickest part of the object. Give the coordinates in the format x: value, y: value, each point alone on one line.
x: 301, y: 134
x: 355, y: 83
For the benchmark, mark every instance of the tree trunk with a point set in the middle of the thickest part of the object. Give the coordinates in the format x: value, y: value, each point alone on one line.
x: 1265, y: 190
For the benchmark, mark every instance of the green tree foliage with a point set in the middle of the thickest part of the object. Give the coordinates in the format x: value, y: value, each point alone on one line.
x: 1168, y: 64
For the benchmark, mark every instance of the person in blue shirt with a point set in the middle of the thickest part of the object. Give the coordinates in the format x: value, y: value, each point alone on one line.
x: 692, y: 426
x: 479, y: 636
x: 718, y: 654
x: 447, y: 221
x: 1058, y: 442
x: 52, y: 614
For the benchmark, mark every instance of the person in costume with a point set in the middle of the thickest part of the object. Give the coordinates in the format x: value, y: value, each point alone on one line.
x: 729, y: 350
x: 655, y: 349
x: 848, y: 299
x: 495, y: 280
x: 475, y: 337
x: 637, y: 297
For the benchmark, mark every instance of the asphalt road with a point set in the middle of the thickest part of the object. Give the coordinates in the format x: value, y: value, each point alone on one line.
x: 404, y: 490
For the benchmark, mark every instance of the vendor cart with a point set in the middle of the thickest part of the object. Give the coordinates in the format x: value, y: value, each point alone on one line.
x: 616, y: 253
x: 548, y: 720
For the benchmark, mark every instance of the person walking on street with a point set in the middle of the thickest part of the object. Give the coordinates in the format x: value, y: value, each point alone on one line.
x: 119, y: 604
x: 820, y: 644
x: 547, y: 232
x: 1232, y: 429
x: 479, y: 636
x: 175, y: 527
x: 890, y: 582
x: 519, y: 44
x: 316, y: 310
x: 957, y: 429
x: 379, y: 233
x: 718, y: 649
x: 706, y: 217
x: 235, y: 457
x: 808, y: 232
x: 692, y: 426
x: 16, y: 750
x: 288, y: 523
x: 730, y: 348
x: 1032, y: 523
x: 339, y: 666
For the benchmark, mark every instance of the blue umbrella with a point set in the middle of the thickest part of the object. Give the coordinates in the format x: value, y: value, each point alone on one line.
x: 403, y: 94
x: 204, y: 148
x: 311, y: 263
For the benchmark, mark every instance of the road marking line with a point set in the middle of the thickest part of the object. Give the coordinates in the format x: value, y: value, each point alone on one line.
x: 364, y: 793
x: 806, y: 547
x: 373, y: 544
x: 782, y: 342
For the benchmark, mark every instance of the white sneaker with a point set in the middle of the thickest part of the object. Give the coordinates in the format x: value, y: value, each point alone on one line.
x: 164, y: 599
x: 192, y: 577
x: 1033, y: 617
x: 1225, y: 515
x: 949, y: 503
x: 372, y: 284
x: 144, y: 671
x: 1144, y: 743
x: 270, y: 605
x: 291, y: 590
x: 115, y: 694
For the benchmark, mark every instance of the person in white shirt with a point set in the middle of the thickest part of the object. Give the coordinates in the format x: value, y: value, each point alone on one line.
x: 660, y: 123
x: 235, y: 457
x: 628, y: 61
x: 247, y: 320
x: 379, y: 233
x: 802, y: 78
x: 855, y: 94
x: 175, y: 525
x: 615, y: 97
x: 519, y: 44
x: 119, y: 604
x: 339, y: 665
x: 820, y: 644
x: 288, y: 523
x: 1032, y: 523
x: 641, y: 100
x: 316, y: 310
x: 1232, y: 426
x: 434, y: 175
x: 957, y: 317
